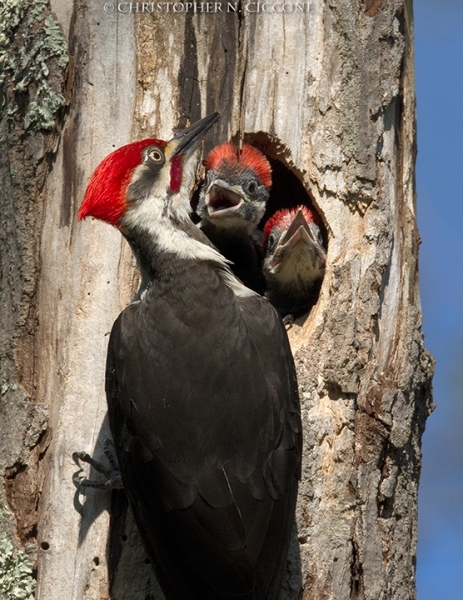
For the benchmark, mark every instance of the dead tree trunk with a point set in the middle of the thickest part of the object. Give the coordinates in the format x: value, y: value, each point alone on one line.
x: 327, y: 92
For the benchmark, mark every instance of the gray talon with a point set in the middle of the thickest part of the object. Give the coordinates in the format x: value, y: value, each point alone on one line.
x: 112, y: 473
x: 288, y: 322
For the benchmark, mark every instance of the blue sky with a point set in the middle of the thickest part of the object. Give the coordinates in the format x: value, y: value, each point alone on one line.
x: 439, y: 89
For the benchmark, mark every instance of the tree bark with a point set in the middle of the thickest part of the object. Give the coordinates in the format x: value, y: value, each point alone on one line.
x: 328, y: 95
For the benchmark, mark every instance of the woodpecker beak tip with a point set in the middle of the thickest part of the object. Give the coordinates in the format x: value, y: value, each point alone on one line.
x: 189, y: 139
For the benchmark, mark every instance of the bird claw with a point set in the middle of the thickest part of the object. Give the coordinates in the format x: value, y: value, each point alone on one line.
x: 288, y: 322
x: 112, y: 473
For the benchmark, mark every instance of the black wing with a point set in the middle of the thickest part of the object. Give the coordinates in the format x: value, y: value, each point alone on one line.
x: 204, y: 410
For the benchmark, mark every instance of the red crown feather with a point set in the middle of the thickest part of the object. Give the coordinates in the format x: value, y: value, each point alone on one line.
x: 105, y: 197
x: 228, y: 156
x: 284, y: 217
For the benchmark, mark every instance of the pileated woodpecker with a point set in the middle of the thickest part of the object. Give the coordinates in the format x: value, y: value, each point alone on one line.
x: 294, y: 262
x: 231, y: 204
x: 201, y: 389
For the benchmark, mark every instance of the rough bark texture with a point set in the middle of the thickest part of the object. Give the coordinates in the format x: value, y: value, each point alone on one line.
x: 329, y: 94
x: 26, y: 99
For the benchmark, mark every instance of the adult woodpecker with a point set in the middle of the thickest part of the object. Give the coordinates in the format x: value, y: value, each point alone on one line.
x: 232, y: 202
x: 294, y: 262
x: 201, y: 389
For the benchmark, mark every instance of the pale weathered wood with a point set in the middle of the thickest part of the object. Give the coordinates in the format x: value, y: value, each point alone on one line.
x: 330, y: 94
x: 83, y: 266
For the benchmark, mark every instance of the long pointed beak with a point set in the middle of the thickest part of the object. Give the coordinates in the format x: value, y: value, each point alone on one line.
x: 190, y: 138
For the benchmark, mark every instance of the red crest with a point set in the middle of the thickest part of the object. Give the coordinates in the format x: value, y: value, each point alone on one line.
x: 230, y: 158
x: 105, y: 197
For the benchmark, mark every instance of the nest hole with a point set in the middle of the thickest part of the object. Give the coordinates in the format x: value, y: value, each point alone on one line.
x: 287, y: 189
x: 287, y: 192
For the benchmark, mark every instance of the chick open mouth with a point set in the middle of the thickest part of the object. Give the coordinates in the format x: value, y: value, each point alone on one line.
x: 222, y: 200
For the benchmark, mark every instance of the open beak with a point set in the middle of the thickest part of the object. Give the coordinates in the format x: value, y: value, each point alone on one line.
x: 222, y: 199
x: 299, y: 231
x: 190, y: 138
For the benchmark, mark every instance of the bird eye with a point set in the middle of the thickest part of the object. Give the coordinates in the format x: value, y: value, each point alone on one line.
x: 252, y: 187
x: 156, y: 155
x: 272, y: 238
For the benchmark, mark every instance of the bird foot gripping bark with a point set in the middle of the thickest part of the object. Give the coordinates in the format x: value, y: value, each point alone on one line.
x: 288, y: 322
x: 111, y: 472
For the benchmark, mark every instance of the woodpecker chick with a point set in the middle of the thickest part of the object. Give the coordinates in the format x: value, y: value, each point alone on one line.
x: 294, y: 262
x: 231, y: 205
x: 201, y: 389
